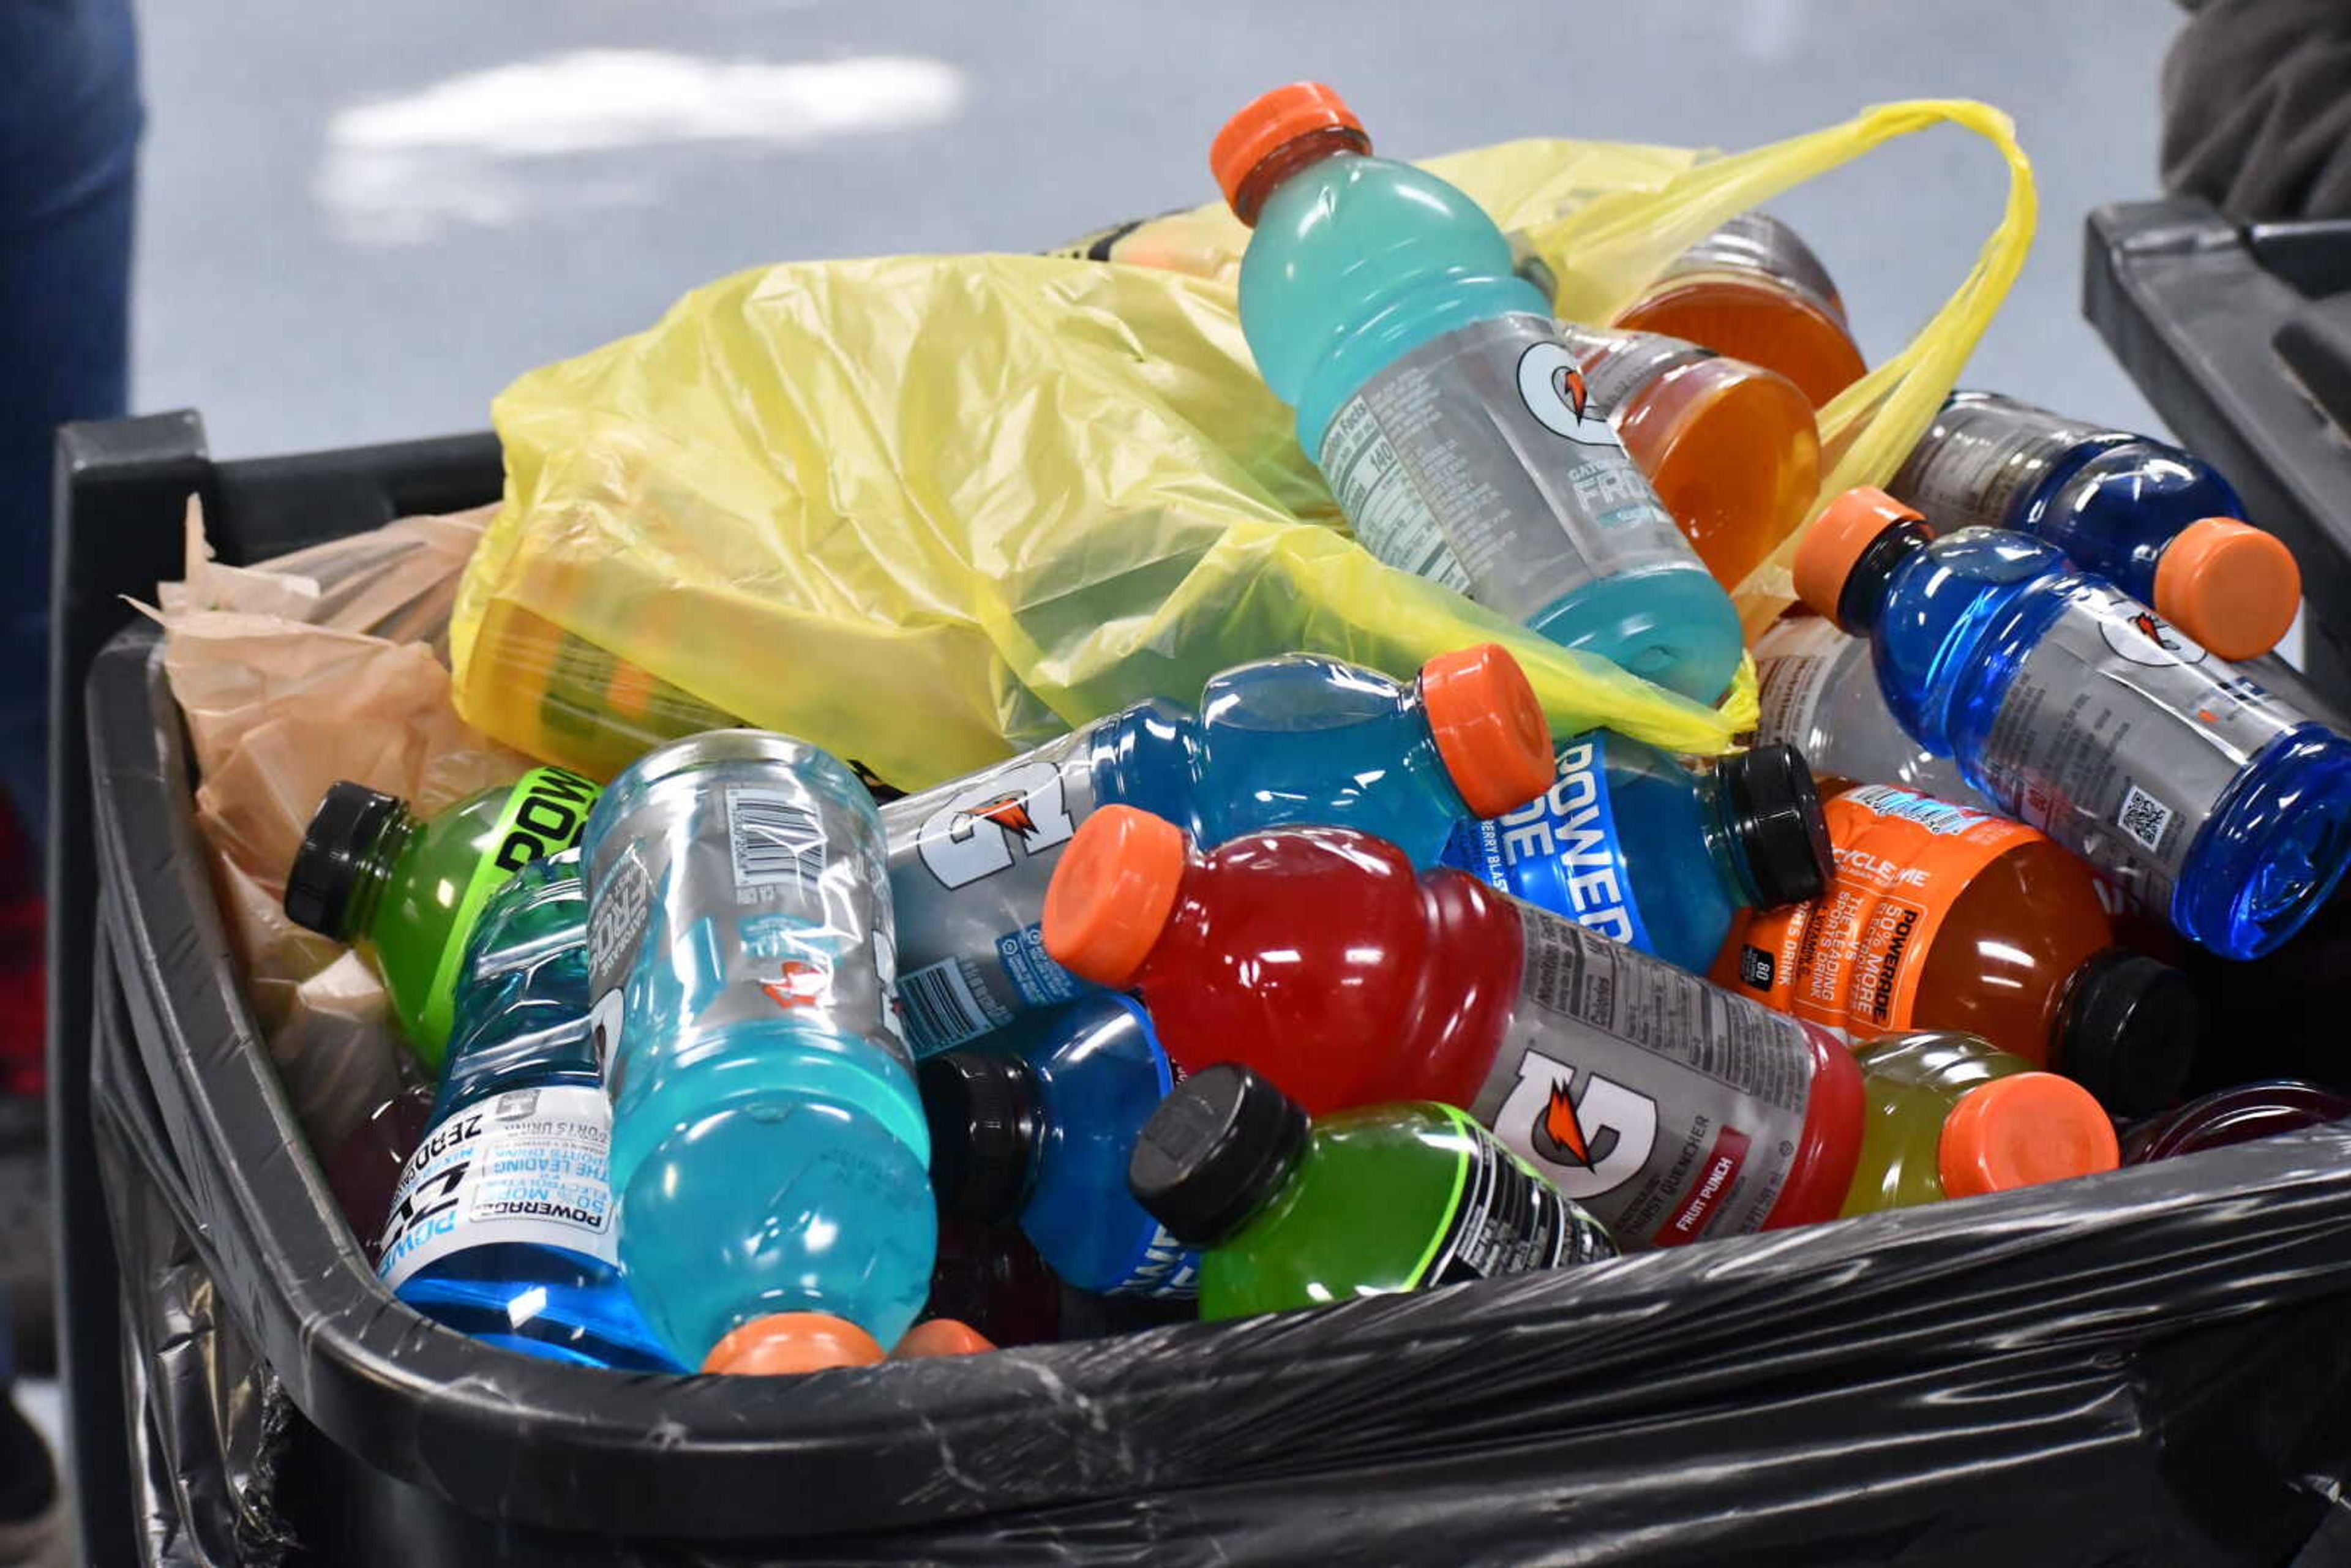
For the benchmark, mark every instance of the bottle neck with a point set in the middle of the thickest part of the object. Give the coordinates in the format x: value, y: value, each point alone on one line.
x: 372, y: 872
x: 1331, y: 141
x: 1862, y: 598
x: 1725, y: 843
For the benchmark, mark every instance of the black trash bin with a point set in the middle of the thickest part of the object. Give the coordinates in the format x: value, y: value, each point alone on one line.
x: 2149, y: 1366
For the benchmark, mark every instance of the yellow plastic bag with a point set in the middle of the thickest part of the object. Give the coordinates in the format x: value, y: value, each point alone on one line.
x: 927, y: 510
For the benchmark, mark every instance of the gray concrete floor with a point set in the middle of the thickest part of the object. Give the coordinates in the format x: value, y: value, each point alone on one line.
x: 361, y: 220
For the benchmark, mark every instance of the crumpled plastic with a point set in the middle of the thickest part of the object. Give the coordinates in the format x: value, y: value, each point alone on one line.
x: 926, y: 510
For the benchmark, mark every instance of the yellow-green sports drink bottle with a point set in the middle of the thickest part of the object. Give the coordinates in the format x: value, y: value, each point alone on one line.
x: 406, y: 891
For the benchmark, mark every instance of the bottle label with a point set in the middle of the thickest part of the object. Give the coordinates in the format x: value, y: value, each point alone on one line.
x: 1982, y: 457
x: 528, y: 1166
x: 1478, y: 460
x: 1793, y: 661
x: 969, y: 864
x: 2117, y: 736
x: 1560, y: 849
x: 1506, y: 1219
x: 543, y: 815
x: 1851, y: 960
x: 1617, y: 365
x: 1668, y: 1107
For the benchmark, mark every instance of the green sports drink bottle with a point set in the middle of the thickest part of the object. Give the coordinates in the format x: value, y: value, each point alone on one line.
x: 1359, y: 1203
x: 406, y: 892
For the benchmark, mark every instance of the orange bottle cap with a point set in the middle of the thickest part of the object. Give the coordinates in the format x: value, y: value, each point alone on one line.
x: 1269, y: 122
x: 1846, y: 528
x: 1111, y: 894
x: 1490, y: 728
x: 2229, y: 586
x: 941, y: 1336
x: 785, y: 1343
x: 2026, y: 1128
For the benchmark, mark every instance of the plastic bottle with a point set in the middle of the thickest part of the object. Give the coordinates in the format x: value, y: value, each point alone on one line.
x: 1942, y: 917
x: 1633, y: 844
x: 1282, y: 740
x: 2156, y: 523
x: 1435, y: 390
x: 1038, y: 1129
x: 1754, y: 289
x: 23, y: 961
x: 363, y: 1171
x: 407, y: 892
x: 502, y: 1224
x: 1360, y: 1203
x: 2237, y: 1115
x: 768, y: 1146
x: 1953, y: 1115
x: 1321, y: 958
x: 2070, y: 705
x: 991, y: 1278
x: 1819, y: 694
x: 1732, y: 448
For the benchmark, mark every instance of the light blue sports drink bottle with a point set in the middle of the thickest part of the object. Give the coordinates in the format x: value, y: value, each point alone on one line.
x: 770, y: 1151
x: 2176, y: 776
x: 502, y: 1227
x: 1291, y: 739
x: 1434, y: 388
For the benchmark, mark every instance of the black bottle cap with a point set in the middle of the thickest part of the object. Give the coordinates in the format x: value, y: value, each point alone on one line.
x: 2128, y: 1032
x: 1773, y: 809
x: 1214, y: 1152
x: 985, y: 1125
x: 342, y: 833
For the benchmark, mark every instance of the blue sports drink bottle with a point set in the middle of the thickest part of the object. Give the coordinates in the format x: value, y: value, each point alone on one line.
x: 1434, y: 389
x: 502, y: 1226
x: 2180, y: 780
x: 1295, y: 739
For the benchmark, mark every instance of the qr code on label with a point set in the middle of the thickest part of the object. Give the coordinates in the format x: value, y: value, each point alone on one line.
x: 2145, y: 818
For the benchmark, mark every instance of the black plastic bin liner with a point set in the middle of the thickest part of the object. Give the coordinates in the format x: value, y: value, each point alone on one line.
x: 2150, y: 1366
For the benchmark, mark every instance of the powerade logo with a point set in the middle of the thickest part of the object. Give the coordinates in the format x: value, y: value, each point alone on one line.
x: 1569, y: 834
x: 548, y: 819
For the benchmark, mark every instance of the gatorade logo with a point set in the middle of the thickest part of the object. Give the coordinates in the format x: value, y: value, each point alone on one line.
x: 1011, y: 814
x: 2143, y: 639
x: 1586, y: 1141
x: 1552, y: 385
x: 547, y: 820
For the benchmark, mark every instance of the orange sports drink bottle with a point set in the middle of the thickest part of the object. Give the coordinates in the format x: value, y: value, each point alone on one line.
x: 1937, y: 917
x: 1754, y: 290
x: 1731, y: 448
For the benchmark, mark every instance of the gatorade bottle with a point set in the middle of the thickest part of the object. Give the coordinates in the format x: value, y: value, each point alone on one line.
x: 1433, y: 387
x: 2181, y: 780
x: 1361, y: 1203
x: 1292, y: 739
x: 1042, y: 1136
x: 1731, y: 448
x: 1668, y: 1108
x: 2156, y: 523
x: 1819, y: 694
x: 502, y: 1226
x: 768, y: 1146
x: 1942, y: 917
x: 2237, y: 1115
x: 1754, y: 290
x: 407, y: 892
x: 1952, y: 1116
x: 1633, y: 846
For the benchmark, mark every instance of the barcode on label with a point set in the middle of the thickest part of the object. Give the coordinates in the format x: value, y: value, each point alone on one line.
x: 942, y: 1010
x: 774, y: 839
x: 2145, y: 818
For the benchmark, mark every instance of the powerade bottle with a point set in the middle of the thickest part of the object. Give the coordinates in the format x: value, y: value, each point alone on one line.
x: 1633, y: 846
x: 407, y: 892
x: 1360, y: 1203
x: 1320, y: 957
x: 502, y: 1224
x: 2181, y: 780
x: 2156, y: 523
x: 1435, y: 390
x: 1042, y: 1137
x: 768, y: 1146
x: 1952, y: 1116
x: 1817, y: 693
x: 1290, y: 739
